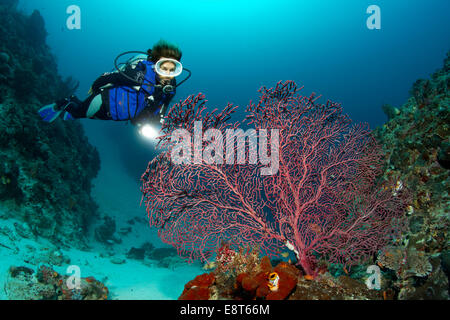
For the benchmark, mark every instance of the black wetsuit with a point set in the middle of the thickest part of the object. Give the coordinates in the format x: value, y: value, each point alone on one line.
x: 79, y: 109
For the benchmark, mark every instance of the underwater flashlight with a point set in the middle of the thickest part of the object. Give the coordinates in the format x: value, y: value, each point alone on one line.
x: 148, y: 131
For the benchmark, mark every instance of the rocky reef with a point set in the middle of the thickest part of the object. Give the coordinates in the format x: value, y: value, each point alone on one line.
x: 244, y: 276
x: 24, y: 283
x: 46, y: 169
x: 416, y: 141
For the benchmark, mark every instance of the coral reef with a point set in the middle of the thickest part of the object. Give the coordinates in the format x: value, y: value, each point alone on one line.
x: 244, y: 276
x: 46, y: 284
x: 46, y: 169
x: 47, y: 255
x: 105, y: 233
x: 136, y: 253
x: 429, y: 286
x: 406, y: 263
x: 199, y: 288
x: 416, y: 143
x: 256, y: 285
x: 28, y: 71
x: 35, y: 29
x: 147, y: 253
x: 327, y: 287
x: 164, y: 257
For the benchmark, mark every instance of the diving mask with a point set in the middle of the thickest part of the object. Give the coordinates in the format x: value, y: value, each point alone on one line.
x: 172, y: 68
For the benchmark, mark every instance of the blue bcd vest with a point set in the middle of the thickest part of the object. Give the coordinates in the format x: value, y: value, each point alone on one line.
x: 126, y: 102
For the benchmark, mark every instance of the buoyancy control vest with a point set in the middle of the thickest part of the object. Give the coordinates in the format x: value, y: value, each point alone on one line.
x: 128, y: 102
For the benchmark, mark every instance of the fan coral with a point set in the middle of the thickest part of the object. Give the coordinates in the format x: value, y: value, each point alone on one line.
x: 323, y: 201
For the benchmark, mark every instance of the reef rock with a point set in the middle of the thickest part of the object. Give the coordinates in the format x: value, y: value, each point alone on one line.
x: 416, y: 142
x: 46, y: 284
x: 46, y: 169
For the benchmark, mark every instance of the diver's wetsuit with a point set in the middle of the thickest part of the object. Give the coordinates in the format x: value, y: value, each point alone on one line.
x: 96, y: 106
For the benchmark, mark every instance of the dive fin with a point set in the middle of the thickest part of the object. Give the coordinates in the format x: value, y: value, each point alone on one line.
x: 48, y: 112
x: 68, y: 116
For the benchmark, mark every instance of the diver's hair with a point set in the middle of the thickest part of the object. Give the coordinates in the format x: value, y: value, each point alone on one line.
x: 164, y: 49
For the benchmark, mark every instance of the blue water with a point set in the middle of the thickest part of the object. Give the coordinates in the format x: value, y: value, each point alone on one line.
x: 234, y: 47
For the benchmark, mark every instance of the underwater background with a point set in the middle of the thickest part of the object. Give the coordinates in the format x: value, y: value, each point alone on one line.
x: 71, y: 194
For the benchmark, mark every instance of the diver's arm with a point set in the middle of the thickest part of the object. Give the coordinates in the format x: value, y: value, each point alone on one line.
x: 165, y: 102
x: 151, y: 113
x: 144, y: 117
x: 118, y: 79
x: 104, y: 79
x: 165, y: 107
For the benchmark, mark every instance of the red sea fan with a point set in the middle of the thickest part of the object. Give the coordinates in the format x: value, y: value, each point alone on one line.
x: 321, y: 198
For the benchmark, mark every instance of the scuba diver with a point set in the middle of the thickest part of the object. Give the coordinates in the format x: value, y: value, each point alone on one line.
x: 140, y: 90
